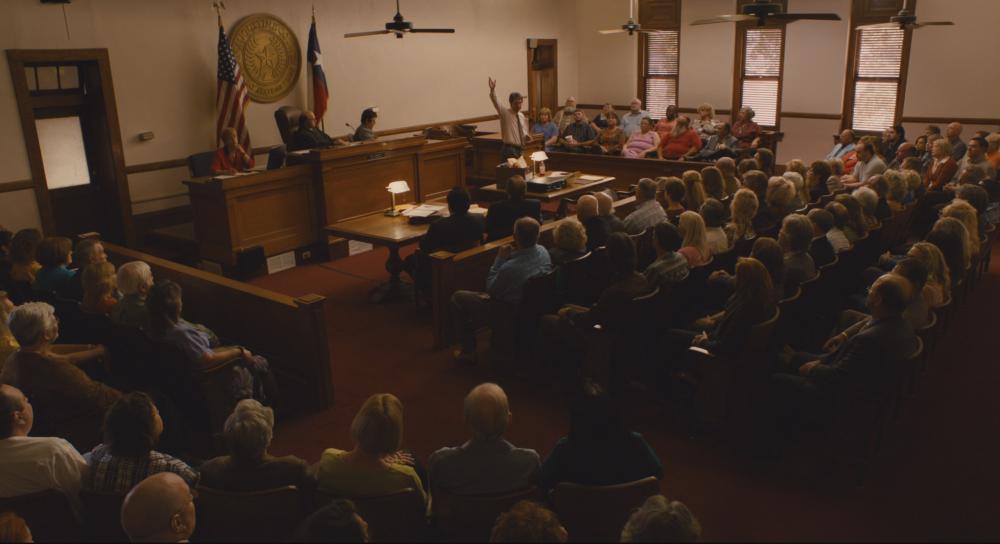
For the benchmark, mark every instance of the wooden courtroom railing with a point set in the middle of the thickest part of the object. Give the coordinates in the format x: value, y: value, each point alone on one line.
x: 291, y: 332
x: 468, y: 269
x: 625, y: 171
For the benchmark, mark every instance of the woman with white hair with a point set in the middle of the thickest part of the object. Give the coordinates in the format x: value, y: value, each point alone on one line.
x: 249, y: 466
x: 705, y: 125
x: 135, y: 279
x: 801, y: 195
x: 67, y: 403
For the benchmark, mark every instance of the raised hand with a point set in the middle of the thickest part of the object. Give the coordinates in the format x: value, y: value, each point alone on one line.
x: 493, y: 85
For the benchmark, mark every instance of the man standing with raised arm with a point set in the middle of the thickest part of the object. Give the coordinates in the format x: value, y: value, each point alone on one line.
x: 513, y: 125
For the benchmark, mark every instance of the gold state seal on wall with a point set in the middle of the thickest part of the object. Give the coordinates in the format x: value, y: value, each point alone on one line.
x: 269, y: 56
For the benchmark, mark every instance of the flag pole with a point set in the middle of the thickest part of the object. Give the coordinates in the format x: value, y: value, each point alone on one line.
x: 322, y: 122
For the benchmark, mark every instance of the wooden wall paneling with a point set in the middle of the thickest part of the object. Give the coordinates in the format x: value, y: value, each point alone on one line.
x: 441, y: 166
x: 486, y: 156
x: 16, y: 60
x: 353, y: 190
x: 211, y: 222
x: 279, y: 217
x: 290, y: 332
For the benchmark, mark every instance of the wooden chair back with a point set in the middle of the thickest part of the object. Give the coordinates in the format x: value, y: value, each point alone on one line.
x: 644, y: 248
x: 470, y: 518
x: 104, y: 516
x: 257, y: 516
x: 397, y: 517
x: 48, y: 514
x: 598, y: 513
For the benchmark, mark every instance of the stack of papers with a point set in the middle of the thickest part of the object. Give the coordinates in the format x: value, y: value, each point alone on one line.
x: 236, y: 175
x: 423, y: 210
x: 587, y: 178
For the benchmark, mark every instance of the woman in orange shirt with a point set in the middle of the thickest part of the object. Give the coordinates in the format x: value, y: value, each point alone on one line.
x: 231, y: 157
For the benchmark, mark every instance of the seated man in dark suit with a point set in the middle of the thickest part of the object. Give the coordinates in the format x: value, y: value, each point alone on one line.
x: 459, y: 231
x: 859, y: 358
x: 597, y: 228
x: 309, y: 136
x: 501, y: 216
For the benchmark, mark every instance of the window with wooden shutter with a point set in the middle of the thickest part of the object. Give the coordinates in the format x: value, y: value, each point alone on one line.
x: 761, y: 69
x: 876, y: 78
x: 659, y: 54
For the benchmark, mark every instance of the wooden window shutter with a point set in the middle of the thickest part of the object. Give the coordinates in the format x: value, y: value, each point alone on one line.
x: 877, y: 68
x: 660, y: 14
x: 762, y: 70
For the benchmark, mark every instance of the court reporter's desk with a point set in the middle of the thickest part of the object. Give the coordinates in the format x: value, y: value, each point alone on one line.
x: 468, y: 269
x: 286, y: 209
x: 573, y: 189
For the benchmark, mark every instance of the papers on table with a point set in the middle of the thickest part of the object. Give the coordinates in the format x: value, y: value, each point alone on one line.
x: 423, y: 210
x: 587, y: 178
x: 300, y: 152
x: 236, y: 175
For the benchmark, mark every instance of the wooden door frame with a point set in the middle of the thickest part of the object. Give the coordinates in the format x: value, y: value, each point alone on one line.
x: 26, y: 103
x: 555, y: 67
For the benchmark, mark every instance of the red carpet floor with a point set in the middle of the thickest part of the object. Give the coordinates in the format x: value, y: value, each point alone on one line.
x: 936, y: 477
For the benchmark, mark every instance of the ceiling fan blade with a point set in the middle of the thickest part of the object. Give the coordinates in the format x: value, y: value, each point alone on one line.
x: 790, y: 17
x: 934, y: 23
x: 433, y: 30
x: 370, y: 33
x: 878, y: 26
x: 732, y: 18
x: 615, y: 31
x: 644, y: 31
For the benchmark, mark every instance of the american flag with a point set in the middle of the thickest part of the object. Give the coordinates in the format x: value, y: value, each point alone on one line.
x: 320, y: 91
x: 232, y: 98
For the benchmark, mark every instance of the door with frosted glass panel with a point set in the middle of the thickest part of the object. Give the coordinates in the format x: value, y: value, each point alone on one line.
x: 70, y: 171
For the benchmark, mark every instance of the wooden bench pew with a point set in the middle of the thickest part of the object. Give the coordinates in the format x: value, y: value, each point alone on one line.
x: 467, y: 270
x: 625, y: 171
x: 291, y: 332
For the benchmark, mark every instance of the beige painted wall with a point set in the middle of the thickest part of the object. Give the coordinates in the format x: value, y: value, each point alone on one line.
x: 163, y: 57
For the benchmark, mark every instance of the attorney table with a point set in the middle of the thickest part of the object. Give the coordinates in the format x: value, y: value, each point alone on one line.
x: 574, y: 188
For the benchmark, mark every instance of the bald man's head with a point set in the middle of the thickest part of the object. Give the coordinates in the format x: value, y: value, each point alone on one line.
x: 487, y: 412
x: 604, y: 204
x: 586, y: 207
x: 889, y: 295
x: 159, y: 509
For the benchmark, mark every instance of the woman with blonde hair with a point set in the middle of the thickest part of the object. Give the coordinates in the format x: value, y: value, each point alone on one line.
x: 799, y: 183
x: 231, y: 157
x: 547, y: 128
x: 375, y: 466
x: 742, y: 211
x: 897, y: 190
x: 727, y: 166
x: 99, y: 286
x: 705, y: 125
x: 780, y: 197
x: 937, y: 290
x: 713, y: 183
x: 952, y: 238
x: 695, y: 244
x: 569, y: 242
x: 964, y: 212
x: 694, y: 191
x: 855, y: 215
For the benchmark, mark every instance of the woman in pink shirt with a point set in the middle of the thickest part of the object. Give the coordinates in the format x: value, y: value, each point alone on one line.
x: 641, y: 142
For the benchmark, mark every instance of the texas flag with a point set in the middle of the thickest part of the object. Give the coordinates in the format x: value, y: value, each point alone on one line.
x: 315, y: 57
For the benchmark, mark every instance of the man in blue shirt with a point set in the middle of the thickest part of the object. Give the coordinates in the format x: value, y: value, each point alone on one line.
x: 632, y: 119
x: 514, y: 265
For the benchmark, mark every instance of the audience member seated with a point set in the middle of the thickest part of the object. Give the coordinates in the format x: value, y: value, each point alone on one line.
x: 943, y: 168
x: 670, y: 267
x: 838, y: 234
x: 569, y: 243
x: 30, y: 464
x: 598, y: 229
x: 976, y: 158
x: 375, y: 466
x: 600, y: 120
x: 869, y: 164
x: 672, y: 191
x: 565, y: 115
x: 845, y: 144
x: 746, y: 165
x: 905, y: 151
x: 366, y: 131
x: 87, y: 252
x: 714, y: 214
x: 780, y: 200
x: 231, y: 158
x: 742, y: 211
x: 892, y: 139
x: 665, y: 126
x: 979, y: 199
x: 993, y: 150
x: 513, y: 266
x: 694, y: 247
x: 662, y: 520
x: 599, y: 450
x: 610, y: 139
x: 249, y: 379
x: 8, y: 344
x: 706, y: 125
x: 868, y: 199
x: 309, y: 136
x: 719, y: 145
x: 132, y: 429
x: 859, y: 358
x: 459, y: 231
x: 881, y: 187
x: 937, y: 290
x: 338, y: 521
x: 964, y: 212
x: 694, y: 191
x: 817, y: 175
x: 606, y: 211
x: 642, y: 141
x: 501, y: 215
x: 135, y: 280
x: 765, y: 158
x: 528, y: 521
x: 54, y: 254
x: 634, y: 117
x: 857, y: 227
x: 953, y: 133
x: 821, y: 248
x: 951, y: 237
x: 801, y: 197
x: 487, y: 463
x: 745, y: 129
x: 756, y: 181
x: 727, y: 165
x: 99, y: 289
x: 159, y: 509
x: 768, y: 251
x: 13, y: 528
x: 548, y: 129
x: 249, y: 467
x: 647, y: 212
x: 23, y: 249
x: 917, y: 312
x: 578, y: 136
x: 714, y: 184
x: 796, y: 237
x: 681, y: 143
x: 70, y: 404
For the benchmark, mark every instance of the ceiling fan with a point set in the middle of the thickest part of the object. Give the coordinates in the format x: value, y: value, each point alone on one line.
x: 400, y: 27
x: 763, y: 12
x: 906, y: 19
x: 631, y: 26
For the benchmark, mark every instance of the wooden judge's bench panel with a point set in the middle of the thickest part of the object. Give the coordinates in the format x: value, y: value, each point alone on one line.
x: 486, y: 156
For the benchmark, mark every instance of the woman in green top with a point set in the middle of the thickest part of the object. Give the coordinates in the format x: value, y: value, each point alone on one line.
x: 373, y: 468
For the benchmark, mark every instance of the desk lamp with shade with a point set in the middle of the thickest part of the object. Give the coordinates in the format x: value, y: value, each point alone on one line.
x: 395, y: 188
x: 539, y: 157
